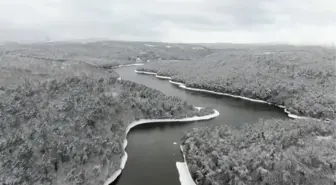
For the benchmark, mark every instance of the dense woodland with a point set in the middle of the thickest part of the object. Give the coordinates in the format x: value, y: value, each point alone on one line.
x: 63, y: 118
x: 70, y: 131
x: 303, y: 79
x: 107, y: 54
x: 64, y: 122
x: 271, y: 152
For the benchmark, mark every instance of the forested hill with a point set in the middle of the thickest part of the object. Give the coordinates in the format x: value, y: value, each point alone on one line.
x: 65, y: 122
x: 301, y: 79
x: 107, y: 53
x: 70, y: 131
x: 275, y: 152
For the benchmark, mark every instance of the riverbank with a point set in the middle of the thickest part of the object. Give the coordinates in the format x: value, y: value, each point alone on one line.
x: 269, y: 152
x: 183, y: 169
x: 147, y: 121
x: 77, y: 117
x: 303, y: 79
x: 183, y: 86
x: 211, y: 138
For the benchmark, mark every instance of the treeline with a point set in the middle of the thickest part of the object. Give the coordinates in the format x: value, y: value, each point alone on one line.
x: 70, y: 130
x: 276, y: 152
x: 15, y: 70
x: 303, y: 79
x: 105, y: 53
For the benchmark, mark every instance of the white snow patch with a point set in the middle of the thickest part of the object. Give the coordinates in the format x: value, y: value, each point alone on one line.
x: 197, y: 48
x: 185, y: 177
x: 183, y: 169
x: 128, y: 65
x: 152, y: 73
x: 324, y: 137
x: 168, y: 46
x: 143, y: 121
x: 144, y: 72
x: 175, y: 143
x: 281, y: 106
x: 298, y: 117
x: 163, y: 77
x: 181, y: 85
x: 198, y: 108
x: 149, y: 45
x: 119, y: 78
x: 113, y: 177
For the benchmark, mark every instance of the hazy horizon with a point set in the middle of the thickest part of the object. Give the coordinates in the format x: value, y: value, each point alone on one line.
x: 185, y: 21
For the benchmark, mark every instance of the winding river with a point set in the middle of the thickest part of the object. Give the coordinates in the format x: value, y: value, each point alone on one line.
x: 154, y: 149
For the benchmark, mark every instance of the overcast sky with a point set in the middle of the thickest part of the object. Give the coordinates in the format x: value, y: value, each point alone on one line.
x: 237, y: 21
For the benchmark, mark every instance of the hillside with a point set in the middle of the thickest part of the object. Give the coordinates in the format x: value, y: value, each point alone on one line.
x: 301, y: 79
x: 279, y: 152
x: 106, y: 53
x: 65, y: 122
x: 273, y: 152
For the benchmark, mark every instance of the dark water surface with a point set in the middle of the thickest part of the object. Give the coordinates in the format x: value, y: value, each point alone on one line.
x: 152, y: 155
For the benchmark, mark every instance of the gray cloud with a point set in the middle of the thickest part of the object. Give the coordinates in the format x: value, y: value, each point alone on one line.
x: 170, y: 20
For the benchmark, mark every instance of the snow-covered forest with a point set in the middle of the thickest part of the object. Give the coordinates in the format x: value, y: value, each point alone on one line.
x: 71, y: 130
x: 276, y: 152
x: 303, y: 79
x: 65, y: 122
x: 106, y: 53
x: 64, y: 111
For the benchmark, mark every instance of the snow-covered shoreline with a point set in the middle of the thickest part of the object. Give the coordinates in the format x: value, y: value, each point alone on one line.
x: 128, y: 65
x: 182, y: 167
x: 184, y: 172
x: 115, y: 175
x: 135, y: 64
x: 296, y: 116
x: 183, y: 86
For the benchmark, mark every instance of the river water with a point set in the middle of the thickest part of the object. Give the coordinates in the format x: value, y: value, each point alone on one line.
x: 152, y: 154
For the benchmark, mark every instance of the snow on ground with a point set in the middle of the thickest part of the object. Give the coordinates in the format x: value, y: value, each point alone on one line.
x: 197, y: 48
x: 182, y: 167
x: 145, y: 72
x: 181, y: 85
x: 324, y: 137
x: 149, y: 45
x: 185, y: 177
x: 199, y: 90
x: 198, y: 108
x: 296, y: 116
x: 113, y: 177
x: 127, y: 65
x: 163, y: 77
x: 144, y: 121
x: 184, y: 173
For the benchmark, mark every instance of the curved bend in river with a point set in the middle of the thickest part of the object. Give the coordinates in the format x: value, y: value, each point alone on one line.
x: 154, y: 149
x: 78, y: 126
x: 272, y: 151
